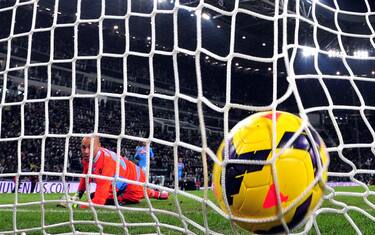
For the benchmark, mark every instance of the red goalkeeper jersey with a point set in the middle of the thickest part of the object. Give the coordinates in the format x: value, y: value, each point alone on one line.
x: 104, y: 164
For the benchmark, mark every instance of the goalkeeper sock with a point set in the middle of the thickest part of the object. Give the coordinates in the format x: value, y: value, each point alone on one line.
x: 161, y: 195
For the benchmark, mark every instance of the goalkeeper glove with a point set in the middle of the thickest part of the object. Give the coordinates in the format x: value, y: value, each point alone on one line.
x: 63, y: 203
x: 75, y: 197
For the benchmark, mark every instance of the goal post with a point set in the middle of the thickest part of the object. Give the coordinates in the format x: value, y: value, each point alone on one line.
x: 177, y: 74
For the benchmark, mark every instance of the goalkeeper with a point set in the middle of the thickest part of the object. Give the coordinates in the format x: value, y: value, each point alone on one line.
x: 104, y: 163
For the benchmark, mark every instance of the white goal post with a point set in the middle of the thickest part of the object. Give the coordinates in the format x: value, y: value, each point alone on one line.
x: 178, y: 74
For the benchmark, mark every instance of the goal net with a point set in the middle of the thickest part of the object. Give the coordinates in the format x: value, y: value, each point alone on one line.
x: 178, y: 74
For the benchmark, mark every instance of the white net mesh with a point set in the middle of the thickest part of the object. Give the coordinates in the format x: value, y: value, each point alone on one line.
x: 179, y: 75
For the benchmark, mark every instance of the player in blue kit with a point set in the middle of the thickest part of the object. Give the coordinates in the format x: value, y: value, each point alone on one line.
x: 141, y: 155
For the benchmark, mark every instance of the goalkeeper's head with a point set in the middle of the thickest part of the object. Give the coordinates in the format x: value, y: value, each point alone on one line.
x: 85, y: 147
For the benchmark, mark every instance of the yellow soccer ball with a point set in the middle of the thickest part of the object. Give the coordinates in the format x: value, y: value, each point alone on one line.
x: 250, y: 189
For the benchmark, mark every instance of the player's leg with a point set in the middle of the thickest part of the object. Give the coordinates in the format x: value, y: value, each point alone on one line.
x: 151, y: 193
x: 123, y: 198
x: 161, y: 195
x: 131, y: 195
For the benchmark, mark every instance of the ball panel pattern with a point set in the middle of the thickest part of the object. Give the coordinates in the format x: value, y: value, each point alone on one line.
x: 250, y: 188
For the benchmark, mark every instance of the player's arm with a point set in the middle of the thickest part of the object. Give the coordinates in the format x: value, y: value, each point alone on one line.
x: 82, y: 182
x: 81, y: 189
x: 103, y: 186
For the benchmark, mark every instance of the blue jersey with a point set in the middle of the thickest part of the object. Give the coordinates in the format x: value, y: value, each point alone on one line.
x: 141, y: 155
x: 180, y: 170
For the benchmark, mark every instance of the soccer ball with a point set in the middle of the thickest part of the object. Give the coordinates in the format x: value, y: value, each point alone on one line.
x: 250, y: 189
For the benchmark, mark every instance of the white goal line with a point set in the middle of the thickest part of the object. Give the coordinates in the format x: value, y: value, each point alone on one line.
x: 62, y: 210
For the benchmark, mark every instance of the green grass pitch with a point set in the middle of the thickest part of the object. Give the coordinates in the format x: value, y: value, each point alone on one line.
x: 29, y: 216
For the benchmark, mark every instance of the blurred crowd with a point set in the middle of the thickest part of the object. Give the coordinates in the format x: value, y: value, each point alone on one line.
x: 56, y: 147
x: 28, y: 153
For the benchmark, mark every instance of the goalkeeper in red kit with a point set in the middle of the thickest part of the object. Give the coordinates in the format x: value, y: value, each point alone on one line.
x: 104, y: 163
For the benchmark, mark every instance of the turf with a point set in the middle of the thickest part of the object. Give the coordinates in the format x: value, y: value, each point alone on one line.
x: 30, y: 216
